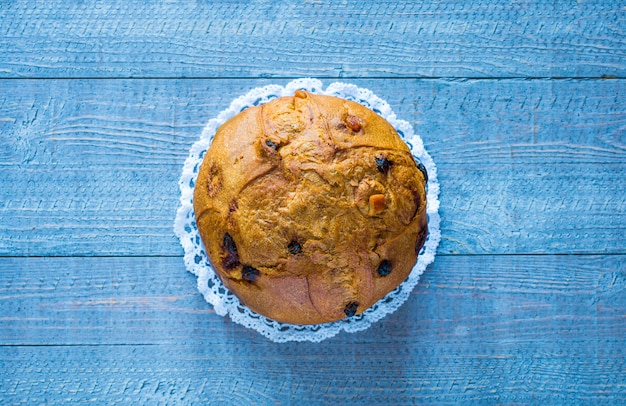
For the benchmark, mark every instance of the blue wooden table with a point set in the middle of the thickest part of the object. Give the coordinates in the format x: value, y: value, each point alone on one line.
x: 522, y: 105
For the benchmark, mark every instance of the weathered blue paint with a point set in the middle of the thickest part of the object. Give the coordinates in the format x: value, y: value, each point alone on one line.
x: 525, y: 166
x: 521, y: 104
x: 501, y: 329
x: 383, y: 38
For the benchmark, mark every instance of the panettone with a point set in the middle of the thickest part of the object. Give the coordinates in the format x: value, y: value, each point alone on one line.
x: 311, y: 208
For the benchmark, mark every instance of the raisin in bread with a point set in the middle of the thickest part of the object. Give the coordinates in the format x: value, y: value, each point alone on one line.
x: 311, y: 208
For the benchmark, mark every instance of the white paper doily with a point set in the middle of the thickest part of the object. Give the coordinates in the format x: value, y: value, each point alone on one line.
x: 224, y: 302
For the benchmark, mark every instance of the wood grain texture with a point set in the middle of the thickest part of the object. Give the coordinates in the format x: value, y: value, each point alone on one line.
x: 90, y: 167
x: 222, y: 375
x: 498, y: 329
x: 522, y: 104
x: 477, y: 38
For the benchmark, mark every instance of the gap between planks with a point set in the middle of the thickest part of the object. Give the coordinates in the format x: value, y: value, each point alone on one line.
x: 514, y: 254
x: 289, y: 77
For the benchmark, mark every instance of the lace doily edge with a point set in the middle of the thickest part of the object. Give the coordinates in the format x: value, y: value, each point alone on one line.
x: 316, y: 333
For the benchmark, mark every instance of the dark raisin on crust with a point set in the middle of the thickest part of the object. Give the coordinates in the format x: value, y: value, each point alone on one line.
x: 384, y: 268
x: 233, y: 206
x: 421, y: 240
x: 272, y: 144
x: 422, y: 169
x: 231, y: 259
x: 294, y: 247
x: 229, y: 244
x: 417, y: 200
x: 249, y: 273
x: 350, y: 309
x: 383, y: 164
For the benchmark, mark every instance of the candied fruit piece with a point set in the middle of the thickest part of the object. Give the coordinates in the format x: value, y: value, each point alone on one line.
x: 377, y: 204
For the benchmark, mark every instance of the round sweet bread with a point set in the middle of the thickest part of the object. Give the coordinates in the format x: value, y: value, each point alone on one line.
x: 311, y: 208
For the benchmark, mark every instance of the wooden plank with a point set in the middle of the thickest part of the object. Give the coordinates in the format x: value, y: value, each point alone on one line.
x: 223, y: 374
x: 153, y: 300
x: 502, y: 329
x: 463, y: 121
x: 383, y: 38
x: 98, y: 211
x: 90, y: 167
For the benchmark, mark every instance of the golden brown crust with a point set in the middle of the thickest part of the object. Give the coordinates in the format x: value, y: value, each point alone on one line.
x: 311, y: 208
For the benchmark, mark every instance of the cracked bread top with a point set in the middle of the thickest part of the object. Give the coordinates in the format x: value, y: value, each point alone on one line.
x: 311, y: 208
